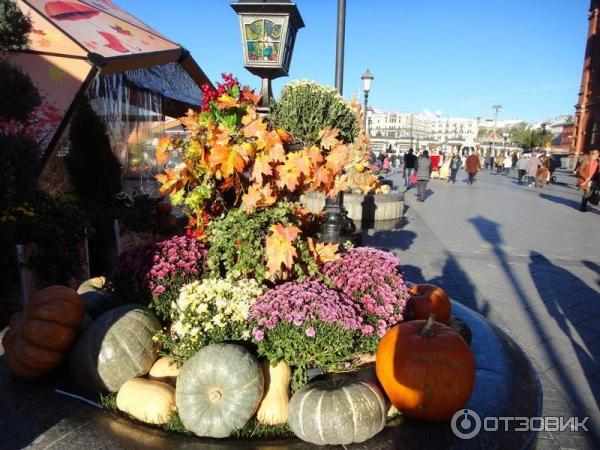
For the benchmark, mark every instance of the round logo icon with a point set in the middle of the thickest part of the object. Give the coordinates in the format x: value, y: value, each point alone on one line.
x: 466, y: 424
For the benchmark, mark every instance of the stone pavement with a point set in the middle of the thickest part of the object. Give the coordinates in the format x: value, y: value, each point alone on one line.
x: 529, y: 261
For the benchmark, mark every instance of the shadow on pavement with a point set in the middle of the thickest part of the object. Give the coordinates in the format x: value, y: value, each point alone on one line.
x: 546, y: 281
x: 568, y: 202
x: 490, y: 231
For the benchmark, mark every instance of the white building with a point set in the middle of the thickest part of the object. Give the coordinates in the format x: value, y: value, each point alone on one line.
x: 402, y: 131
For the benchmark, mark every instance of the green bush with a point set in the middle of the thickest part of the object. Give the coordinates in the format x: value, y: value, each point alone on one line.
x: 19, y: 169
x: 94, y: 170
x: 306, y: 108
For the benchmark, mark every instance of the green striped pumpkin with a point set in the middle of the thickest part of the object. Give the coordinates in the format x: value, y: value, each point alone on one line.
x: 341, y: 411
x: 116, y: 347
x: 219, y: 390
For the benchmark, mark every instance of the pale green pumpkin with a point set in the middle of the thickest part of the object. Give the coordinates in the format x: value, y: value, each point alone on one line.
x: 114, y: 348
x: 219, y: 390
x: 337, y: 412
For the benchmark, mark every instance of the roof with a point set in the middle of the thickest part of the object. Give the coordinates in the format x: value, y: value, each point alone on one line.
x: 73, y: 41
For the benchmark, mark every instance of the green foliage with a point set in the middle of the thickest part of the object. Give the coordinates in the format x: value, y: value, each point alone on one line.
x: 94, y: 170
x: 236, y: 243
x: 19, y: 169
x: 523, y: 135
x: 14, y: 27
x: 288, y: 342
x: 306, y: 108
x: 255, y: 430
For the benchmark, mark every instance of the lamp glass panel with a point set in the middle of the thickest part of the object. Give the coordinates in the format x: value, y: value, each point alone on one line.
x: 263, y: 37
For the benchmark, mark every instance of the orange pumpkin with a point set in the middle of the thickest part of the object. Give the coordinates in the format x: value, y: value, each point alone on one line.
x: 426, y: 369
x: 427, y: 299
x: 39, y: 337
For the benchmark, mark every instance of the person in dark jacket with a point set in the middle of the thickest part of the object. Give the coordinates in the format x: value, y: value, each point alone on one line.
x: 472, y: 166
x: 409, y: 167
x: 423, y: 168
x: 455, y: 164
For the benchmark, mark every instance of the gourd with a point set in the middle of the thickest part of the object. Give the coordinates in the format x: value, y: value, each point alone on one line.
x: 40, y: 336
x: 426, y: 369
x: 218, y: 390
x: 147, y: 400
x: 165, y: 370
x: 341, y: 411
x: 273, y: 409
x: 116, y: 347
x: 96, y: 298
x: 427, y: 299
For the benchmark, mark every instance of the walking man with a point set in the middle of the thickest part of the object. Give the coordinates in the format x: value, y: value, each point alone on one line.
x: 409, y: 167
x: 532, y: 168
x: 588, y: 174
x: 423, y: 168
x: 472, y: 166
x: 522, y: 167
x: 455, y: 163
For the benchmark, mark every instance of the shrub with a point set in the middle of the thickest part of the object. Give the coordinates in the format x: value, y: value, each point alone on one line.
x: 94, y: 170
x: 306, y: 108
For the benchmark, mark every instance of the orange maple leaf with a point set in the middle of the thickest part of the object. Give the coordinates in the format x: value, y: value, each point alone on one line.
x: 286, y: 137
x: 261, y: 167
x: 291, y: 172
x: 323, y: 179
x: 249, y: 117
x: 248, y: 96
x: 228, y: 159
x: 256, y: 128
x: 277, y: 153
x: 258, y: 196
x: 162, y: 150
x: 170, y: 181
x: 340, y: 184
x: 314, y: 156
x: 322, y: 252
x: 226, y: 101
x: 279, y: 248
x: 338, y: 158
x: 190, y: 121
x: 329, y: 138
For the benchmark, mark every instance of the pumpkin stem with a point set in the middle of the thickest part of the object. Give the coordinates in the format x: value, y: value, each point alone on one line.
x: 214, y: 395
x: 427, y: 330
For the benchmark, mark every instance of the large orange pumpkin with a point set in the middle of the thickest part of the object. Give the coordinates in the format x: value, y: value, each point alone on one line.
x: 426, y: 369
x: 39, y: 337
x: 429, y: 299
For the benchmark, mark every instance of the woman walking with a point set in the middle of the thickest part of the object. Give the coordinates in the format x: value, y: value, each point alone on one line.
x: 423, y: 168
x: 507, y: 165
x: 588, y: 177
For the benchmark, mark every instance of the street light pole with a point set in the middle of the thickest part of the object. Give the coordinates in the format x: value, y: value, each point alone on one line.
x: 496, y: 110
x: 334, y: 207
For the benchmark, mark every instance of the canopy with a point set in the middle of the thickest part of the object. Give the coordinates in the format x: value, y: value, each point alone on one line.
x: 73, y: 41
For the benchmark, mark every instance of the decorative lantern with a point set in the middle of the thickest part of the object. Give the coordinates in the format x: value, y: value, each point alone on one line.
x: 268, y: 29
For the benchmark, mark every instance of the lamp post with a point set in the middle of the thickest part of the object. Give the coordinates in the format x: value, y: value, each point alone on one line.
x: 544, y: 125
x: 367, y: 79
x: 496, y: 109
x: 268, y: 29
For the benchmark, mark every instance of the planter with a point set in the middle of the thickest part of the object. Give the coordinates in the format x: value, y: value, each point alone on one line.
x: 503, y: 372
x: 364, y: 208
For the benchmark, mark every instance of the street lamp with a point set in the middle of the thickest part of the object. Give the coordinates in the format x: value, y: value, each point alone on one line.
x: 367, y: 79
x: 268, y: 29
x: 496, y: 109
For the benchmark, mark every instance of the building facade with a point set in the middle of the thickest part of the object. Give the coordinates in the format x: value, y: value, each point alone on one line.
x: 401, y: 131
x: 586, y: 133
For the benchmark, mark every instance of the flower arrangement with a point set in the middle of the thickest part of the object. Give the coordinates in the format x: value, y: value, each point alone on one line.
x: 306, y: 324
x: 233, y: 159
x: 207, y: 311
x: 370, y: 277
x: 153, y: 273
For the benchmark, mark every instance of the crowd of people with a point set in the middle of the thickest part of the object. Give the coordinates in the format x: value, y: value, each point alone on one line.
x: 536, y: 169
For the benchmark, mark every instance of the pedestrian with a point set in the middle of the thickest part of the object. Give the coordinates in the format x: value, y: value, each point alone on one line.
x: 423, y: 168
x: 455, y: 164
x: 445, y: 169
x: 386, y: 164
x: 507, y: 165
x: 532, y: 167
x: 522, y: 167
x: 409, y: 167
x: 499, y: 163
x: 588, y: 175
x: 472, y: 166
x: 515, y: 160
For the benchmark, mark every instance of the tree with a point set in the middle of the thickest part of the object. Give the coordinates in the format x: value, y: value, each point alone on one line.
x: 94, y: 170
x: 523, y: 135
x: 14, y: 27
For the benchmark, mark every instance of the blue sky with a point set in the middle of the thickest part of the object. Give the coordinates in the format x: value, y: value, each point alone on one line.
x: 457, y: 56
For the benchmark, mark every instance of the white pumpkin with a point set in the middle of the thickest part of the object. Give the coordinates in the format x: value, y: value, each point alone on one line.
x: 148, y: 401
x: 165, y: 370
